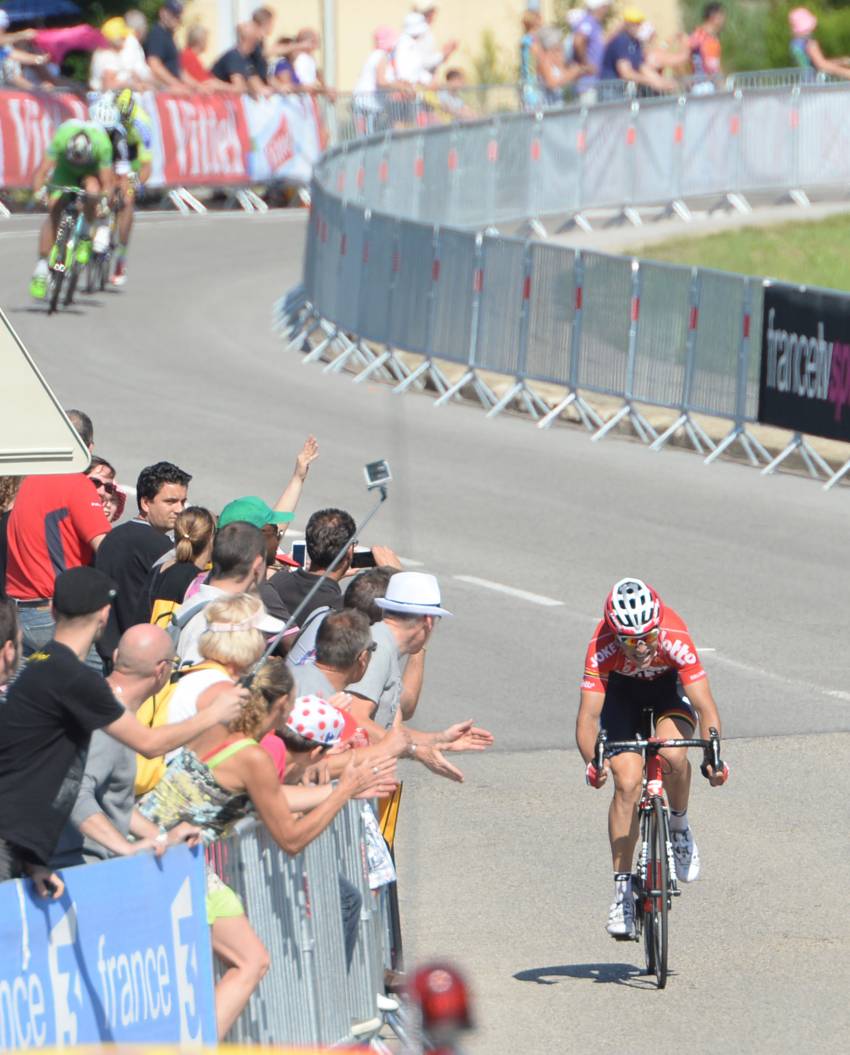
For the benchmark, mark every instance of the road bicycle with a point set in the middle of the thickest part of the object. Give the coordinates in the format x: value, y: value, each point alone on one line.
x: 104, y: 244
x: 654, y: 880
x: 64, y: 263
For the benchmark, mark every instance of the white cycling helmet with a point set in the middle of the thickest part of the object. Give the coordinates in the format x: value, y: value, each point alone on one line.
x: 79, y: 149
x: 632, y: 608
x: 104, y: 112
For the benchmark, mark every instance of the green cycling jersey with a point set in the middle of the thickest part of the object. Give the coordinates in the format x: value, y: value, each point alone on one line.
x: 101, y: 156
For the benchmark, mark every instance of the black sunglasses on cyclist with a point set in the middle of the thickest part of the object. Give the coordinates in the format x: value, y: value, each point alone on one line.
x: 103, y: 485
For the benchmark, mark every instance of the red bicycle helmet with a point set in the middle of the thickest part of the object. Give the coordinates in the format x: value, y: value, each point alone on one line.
x: 632, y: 608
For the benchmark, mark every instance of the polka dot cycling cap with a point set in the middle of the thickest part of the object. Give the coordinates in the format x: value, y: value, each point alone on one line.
x: 316, y: 719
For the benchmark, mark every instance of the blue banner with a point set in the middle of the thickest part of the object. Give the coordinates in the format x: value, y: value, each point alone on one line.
x: 124, y: 955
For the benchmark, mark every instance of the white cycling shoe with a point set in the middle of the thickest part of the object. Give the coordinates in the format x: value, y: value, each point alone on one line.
x: 621, y: 918
x: 686, y: 856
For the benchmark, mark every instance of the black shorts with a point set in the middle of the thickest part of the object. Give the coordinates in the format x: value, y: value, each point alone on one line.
x: 626, y: 698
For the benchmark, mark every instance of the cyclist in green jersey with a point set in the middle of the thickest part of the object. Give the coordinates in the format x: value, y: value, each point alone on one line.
x: 79, y: 155
x: 139, y: 133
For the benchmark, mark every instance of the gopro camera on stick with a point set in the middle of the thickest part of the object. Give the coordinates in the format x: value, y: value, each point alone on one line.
x: 377, y: 474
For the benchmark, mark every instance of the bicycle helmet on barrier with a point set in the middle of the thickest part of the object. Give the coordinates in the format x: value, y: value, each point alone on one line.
x: 79, y: 149
x: 632, y: 608
x: 104, y: 112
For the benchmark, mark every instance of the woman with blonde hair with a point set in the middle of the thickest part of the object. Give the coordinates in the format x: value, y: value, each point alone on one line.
x: 221, y: 776
x: 194, y: 534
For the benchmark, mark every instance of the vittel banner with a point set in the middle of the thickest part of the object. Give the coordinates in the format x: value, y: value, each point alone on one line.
x: 123, y: 956
x: 805, y: 361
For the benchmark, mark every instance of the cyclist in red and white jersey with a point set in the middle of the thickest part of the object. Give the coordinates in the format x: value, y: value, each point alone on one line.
x: 641, y: 655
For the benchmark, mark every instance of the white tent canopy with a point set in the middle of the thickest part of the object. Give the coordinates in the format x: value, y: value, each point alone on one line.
x: 35, y: 433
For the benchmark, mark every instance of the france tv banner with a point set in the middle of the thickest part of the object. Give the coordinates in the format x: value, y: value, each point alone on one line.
x: 805, y: 361
x: 123, y: 956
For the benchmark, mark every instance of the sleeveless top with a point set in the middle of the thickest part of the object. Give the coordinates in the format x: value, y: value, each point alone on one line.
x: 188, y: 791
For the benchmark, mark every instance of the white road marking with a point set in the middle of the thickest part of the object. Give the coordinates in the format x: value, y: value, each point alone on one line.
x: 511, y: 591
x: 408, y: 563
x: 805, y: 688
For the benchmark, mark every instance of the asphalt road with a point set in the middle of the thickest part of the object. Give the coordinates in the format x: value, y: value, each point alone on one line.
x: 509, y: 873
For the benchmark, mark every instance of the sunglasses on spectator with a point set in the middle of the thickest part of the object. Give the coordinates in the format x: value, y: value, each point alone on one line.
x: 372, y: 647
x: 103, y: 485
x: 630, y: 644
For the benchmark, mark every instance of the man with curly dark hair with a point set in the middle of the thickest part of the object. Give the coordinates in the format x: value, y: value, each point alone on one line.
x: 133, y: 548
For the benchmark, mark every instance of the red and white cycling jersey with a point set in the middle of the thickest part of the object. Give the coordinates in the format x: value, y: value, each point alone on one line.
x: 676, y: 651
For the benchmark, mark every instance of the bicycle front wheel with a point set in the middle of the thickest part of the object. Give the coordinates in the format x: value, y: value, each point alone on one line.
x: 656, y: 898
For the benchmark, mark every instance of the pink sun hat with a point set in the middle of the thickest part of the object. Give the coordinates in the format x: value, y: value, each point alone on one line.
x: 801, y: 21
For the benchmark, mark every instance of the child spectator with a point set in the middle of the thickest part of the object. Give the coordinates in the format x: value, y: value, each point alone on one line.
x: 805, y: 50
x: 704, y: 43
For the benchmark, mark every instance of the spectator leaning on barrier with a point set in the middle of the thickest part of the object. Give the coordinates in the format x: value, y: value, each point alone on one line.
x: 195, y: 72
x: 310, y: 76
x: 107, y: 71
x: 57, y: 523
x: 805, y: 50
x: 528, y: 53
x: 104, y: 815
x: 47, y: 720
x: 326, y: 533
x: 239, y: 562
x: 236, y: 66
x: 213, y: 783
x: 378, y: 73
x: 133, y: 548
x: 133, y: 52
x: 589, y: 47
x: 624, y: 59
x: 432, y: 55
x: 161, y: 50
x: 553, y: 72
x: 704, y: 43
x: 409, y: 63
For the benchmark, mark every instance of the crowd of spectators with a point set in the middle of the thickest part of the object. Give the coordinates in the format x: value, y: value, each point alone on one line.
x: 166, y: 673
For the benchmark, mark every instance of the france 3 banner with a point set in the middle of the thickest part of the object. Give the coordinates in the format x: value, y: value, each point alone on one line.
x: 805, y: 361
x: 27, y: 124
x: 123, y: 956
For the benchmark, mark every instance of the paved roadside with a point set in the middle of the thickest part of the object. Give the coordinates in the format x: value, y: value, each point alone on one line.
x: 509, y: 875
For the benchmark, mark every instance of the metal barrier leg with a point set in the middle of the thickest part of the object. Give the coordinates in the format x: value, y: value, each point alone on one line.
x: 754, y: 450
x: 833, y: 480
x: 534, y: 405
x: 351, y: 350
x: 387, y: 362
x: 638, y: 422
x: 485, y: 394
x: 699, y: 438
x: 309, y: 325
x: 587, y: 415
x: 425, y: 371
x: 811, y: 459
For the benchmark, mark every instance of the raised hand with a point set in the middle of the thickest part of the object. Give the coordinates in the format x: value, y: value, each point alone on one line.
x: 306, y: 456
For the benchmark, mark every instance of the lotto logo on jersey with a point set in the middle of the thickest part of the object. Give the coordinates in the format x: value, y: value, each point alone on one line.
x: 679, y: 651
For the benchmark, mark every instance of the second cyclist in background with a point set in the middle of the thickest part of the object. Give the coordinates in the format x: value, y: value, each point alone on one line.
x: 79, y: 155
x: 139, y: 135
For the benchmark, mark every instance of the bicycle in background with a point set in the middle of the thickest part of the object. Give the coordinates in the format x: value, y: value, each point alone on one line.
x: 654, y: 880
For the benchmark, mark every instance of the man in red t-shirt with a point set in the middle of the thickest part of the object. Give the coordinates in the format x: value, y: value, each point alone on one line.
x: 57, y: 523
x: 641, y: 655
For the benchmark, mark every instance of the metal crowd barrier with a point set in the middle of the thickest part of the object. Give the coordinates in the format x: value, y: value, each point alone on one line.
x: 404, y: 252
x: 308, y: 996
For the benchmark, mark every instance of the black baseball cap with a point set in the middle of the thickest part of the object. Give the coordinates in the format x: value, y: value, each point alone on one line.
x: 82, y: 591
x: 174, y: 6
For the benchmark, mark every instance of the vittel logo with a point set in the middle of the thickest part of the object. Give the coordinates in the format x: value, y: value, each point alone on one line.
x: 679, y: 651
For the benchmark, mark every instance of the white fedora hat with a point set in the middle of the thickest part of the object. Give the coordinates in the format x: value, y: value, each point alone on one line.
x: 412, y: 593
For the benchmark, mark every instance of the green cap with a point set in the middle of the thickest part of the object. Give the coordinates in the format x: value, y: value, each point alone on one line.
x: 254, y: 511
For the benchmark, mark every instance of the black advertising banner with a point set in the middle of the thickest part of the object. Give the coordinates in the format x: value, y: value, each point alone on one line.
x: 805, y: 361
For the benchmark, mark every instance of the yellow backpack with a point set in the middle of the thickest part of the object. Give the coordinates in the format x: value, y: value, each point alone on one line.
x: 153, y: 713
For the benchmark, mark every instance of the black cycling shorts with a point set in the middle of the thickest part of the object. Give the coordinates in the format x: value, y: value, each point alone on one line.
x: 626, y: 698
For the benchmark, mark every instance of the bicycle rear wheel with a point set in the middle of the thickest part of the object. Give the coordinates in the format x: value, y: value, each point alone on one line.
x: 656, y: 894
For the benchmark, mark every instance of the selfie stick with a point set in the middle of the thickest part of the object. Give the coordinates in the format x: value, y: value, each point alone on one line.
x: 293, y: 619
